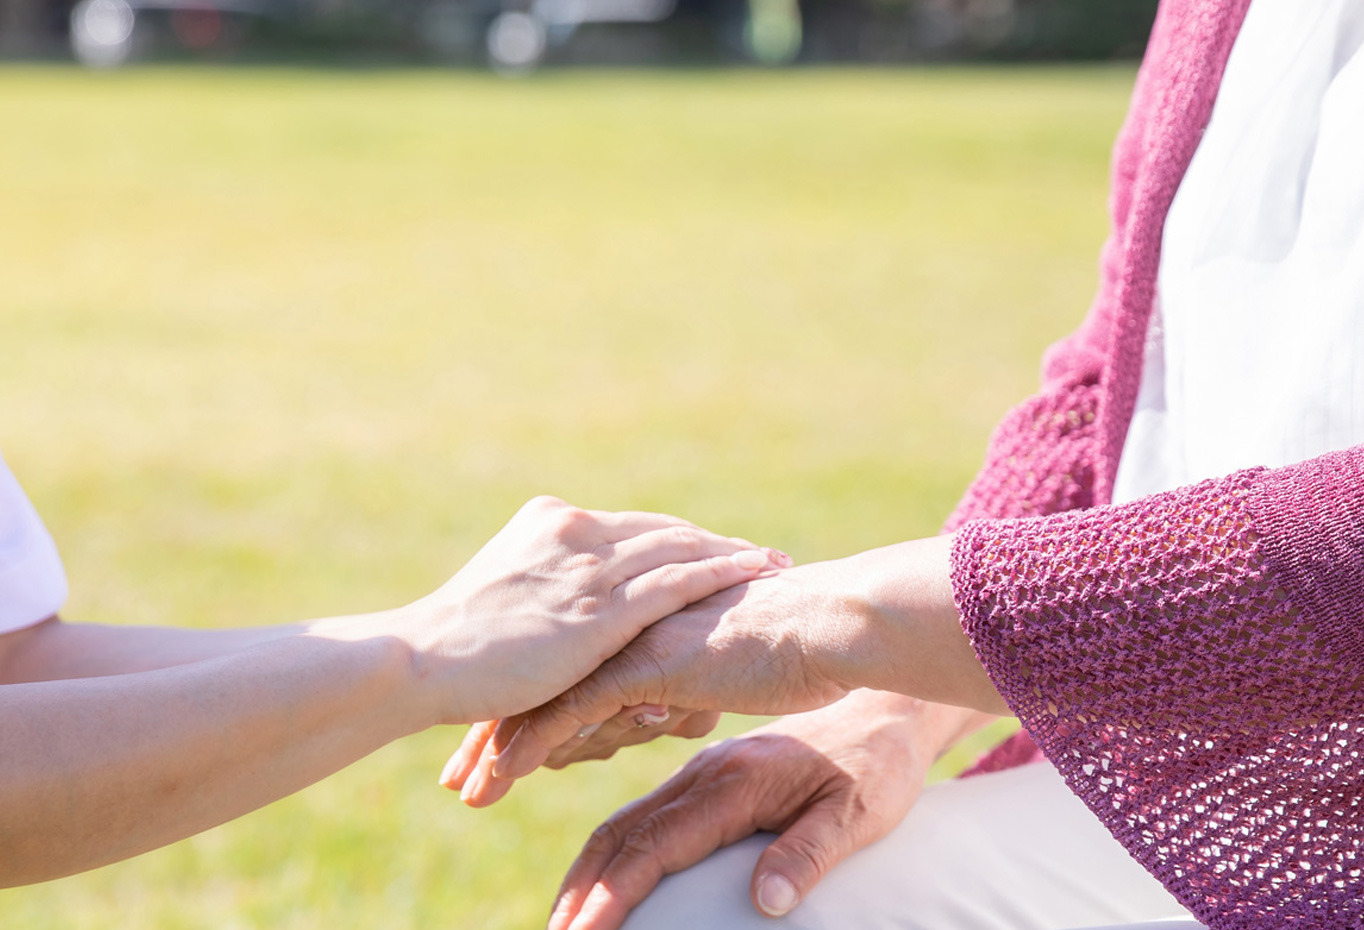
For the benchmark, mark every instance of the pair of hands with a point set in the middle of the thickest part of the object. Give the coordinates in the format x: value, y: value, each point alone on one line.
x: 786, y: 642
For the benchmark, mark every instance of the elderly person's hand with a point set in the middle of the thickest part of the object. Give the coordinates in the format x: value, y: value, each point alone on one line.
x: 829, y: 782
x: 631, y: 727
x: 787, y: 642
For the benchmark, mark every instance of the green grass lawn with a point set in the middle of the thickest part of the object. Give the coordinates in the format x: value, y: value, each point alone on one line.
x: 281, y: 344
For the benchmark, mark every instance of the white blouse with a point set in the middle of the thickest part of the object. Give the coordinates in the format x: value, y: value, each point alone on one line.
x: 32, y: 581
x: 1255, y: 353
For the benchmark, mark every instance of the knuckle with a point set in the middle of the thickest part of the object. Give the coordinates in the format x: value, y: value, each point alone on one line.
x: 646, y: 841
x: 725, y: 762
x: 549, y: 727
x: 542, y: 503
x: 807, y: 853
x: 720, y: 572
x: 577, y: 706
x: 569, y: 524
x: 672, y: 577
x: 586, y: 562
x: 700, y: 577
x: 603, y: 841
x: 704, y: 762
x: 644, y: 660
x: 733, y: 764
x: 687, y: 540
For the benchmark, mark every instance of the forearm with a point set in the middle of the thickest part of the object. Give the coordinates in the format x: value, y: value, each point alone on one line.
x: 55, y: 650
x: 899, y: 629
x: 167, y: 733
x: 100, y: 769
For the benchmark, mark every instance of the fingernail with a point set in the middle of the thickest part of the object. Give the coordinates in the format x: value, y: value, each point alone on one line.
x: 559, y: 915
x: 750, y: 560
x: 783, y: 558
x: 776, y: 895
x: 588, y: 730
x: 650, y: 720
x: 448, y: 773
x: 472, y: 784
x: 500, y: 768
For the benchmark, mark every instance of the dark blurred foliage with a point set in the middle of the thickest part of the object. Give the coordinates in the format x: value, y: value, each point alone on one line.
x: 891, y: 30
x: 466, y: 32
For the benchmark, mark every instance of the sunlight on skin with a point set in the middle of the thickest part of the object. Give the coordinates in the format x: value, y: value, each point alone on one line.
x: 295, y: 343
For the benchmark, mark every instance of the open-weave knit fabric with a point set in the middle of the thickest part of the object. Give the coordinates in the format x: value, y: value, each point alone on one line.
x: 1192, y: 662
x: 1060, y: 449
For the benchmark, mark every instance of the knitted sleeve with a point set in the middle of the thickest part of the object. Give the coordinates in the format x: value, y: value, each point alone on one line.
x: 1193, y: 664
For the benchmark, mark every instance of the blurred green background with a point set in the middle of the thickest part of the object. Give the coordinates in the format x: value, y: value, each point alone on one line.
x: 282, y: 344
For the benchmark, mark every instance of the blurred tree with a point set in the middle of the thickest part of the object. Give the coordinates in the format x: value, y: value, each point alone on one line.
x: 20, y: 26
x: 899, y: 30
x: 1080, y: 29
x: 768, y: 31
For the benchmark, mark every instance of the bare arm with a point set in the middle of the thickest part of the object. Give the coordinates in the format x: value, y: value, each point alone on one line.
x: 164, y: 738
x: 55, y: 650
x: 95, y: 770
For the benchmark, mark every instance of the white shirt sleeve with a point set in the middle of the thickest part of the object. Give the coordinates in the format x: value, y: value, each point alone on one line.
x: 32, y: 580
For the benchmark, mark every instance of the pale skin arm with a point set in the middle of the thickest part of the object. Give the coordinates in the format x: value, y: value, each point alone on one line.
x: 100, y: 769
x: 55, y: 650
x: 96, y: 769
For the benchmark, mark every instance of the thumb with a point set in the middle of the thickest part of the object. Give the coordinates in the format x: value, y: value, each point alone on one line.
x: 790, y: 868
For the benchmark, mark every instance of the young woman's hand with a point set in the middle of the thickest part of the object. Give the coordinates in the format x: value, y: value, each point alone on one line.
x: 554, y: 594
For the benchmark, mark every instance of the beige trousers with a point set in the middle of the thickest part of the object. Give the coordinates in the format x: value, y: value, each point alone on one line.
x: 1012, y: 850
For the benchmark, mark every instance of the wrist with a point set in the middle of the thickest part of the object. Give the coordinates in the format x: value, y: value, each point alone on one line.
x: 929, y: 728
x: 400, y: 674
x: 906, y: 634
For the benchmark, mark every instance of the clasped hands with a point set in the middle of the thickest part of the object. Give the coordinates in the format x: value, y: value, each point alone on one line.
x: 782, y: 640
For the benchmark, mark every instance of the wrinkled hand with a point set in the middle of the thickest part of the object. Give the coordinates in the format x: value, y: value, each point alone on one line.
x: 554, y: 594
x: 784, y: 643
x: 756, y: 648
x: 469, y: 769
x: 830, y: 782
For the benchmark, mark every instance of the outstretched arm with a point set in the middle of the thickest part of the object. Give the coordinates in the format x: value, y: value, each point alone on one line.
x: 99, y: 769
x: 96, y: 769
x: 56, y: 650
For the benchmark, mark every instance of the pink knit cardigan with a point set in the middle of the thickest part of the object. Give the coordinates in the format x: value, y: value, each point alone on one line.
x: 1191, y: 662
